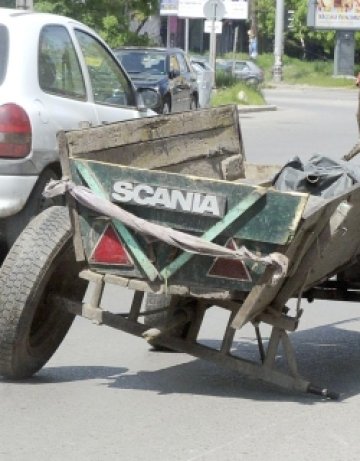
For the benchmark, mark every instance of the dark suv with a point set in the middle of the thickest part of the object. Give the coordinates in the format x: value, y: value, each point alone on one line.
x: 166, y: 69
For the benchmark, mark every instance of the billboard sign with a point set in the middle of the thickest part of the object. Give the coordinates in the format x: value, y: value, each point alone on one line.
x: 234, y: 9
x: 169, y: 7
x: 334, y: 14
x: 237, y: 9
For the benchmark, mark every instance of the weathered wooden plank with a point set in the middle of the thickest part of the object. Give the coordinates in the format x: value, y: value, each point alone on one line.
x: 260, y: 172
x: 216, y: 230
x: 219, y: 167
x: 315, y: 253
x: 167, y: 152
x: 338, y: 244
x: 151, y: 129
x: 264, y: 294
x: 73, y: 214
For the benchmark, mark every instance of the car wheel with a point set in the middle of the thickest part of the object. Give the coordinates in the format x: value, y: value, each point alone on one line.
x: 252, y: 81
x: 166, y: 108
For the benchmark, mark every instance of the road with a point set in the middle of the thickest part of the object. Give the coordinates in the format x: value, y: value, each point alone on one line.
x: 306, y: 121
x: 105, y: 395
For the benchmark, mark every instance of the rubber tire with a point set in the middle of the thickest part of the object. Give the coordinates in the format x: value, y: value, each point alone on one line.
x: 41, y: 261
x: 35, y: 205
x: 155, y: 301
x: 254, y: 82
x: 158, y: 301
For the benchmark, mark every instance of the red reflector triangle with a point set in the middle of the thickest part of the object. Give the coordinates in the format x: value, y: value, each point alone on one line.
x: 233, y: 269
x: 110, y: 250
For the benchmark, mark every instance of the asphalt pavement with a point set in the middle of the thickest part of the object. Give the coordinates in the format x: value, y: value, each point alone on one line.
x: 105, y: 395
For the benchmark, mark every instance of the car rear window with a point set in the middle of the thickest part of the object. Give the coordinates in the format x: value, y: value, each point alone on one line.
x: 4, y: 50
x: 142, y: 61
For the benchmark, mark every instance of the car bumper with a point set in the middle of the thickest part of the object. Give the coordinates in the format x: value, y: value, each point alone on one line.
x: 14, y: 193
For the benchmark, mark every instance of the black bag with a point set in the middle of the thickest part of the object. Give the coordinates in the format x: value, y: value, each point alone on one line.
x: 320, y: 176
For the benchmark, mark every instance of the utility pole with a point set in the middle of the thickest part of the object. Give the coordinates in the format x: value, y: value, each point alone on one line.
x: 279, y: 42
x: 214, y: 10
x: 186, y: 47
x: 24, y: 4
x: 252, y: 33
x: 236, y: 34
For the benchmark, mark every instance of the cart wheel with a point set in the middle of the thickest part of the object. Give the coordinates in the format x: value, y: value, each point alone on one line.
x: 159, y: 301
x: 154, y: 301
x: 41, y: 263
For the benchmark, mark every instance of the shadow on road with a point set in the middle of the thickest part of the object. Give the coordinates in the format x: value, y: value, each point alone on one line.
x: 329, y: 356
x: 52, y: 375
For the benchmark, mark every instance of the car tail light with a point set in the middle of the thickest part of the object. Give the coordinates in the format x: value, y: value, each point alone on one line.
x: 15, y: 132
x: 110, y: 250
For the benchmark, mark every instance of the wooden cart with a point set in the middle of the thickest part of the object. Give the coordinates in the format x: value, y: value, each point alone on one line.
x: 161, y: 206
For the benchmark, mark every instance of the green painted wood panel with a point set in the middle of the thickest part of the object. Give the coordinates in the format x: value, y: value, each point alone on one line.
x: 127, y: 236
x: 273, y: 220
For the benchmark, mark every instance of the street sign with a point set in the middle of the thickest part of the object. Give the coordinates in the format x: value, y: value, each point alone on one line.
x: 214, y: 10
x: 208, y: 27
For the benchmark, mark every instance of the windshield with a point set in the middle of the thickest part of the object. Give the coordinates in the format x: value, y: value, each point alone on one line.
x: 139, y: 62
x: 4, y: 48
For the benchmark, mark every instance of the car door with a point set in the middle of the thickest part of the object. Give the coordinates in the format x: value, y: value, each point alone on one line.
x: 241, y: 70
x: 176, y: 86
x: 188, y: 80
x: 112, y: 92
x: 63, y: 102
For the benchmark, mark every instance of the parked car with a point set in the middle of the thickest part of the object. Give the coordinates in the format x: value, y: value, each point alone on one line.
x: 204, y: 75
x: 55, y: 74
x: 247, y: 71
x: 168, y: 70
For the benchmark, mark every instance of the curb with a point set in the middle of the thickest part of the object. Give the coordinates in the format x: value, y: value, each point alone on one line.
x: 244, y: 109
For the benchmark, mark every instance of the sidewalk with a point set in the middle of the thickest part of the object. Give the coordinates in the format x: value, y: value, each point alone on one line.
x: 262, y: 108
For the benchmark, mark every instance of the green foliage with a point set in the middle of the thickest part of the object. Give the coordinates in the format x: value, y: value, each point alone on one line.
x: 299, y: 71
x: 224, y: 79
x: 110, y: 18
x: 7, y: 3
x: 300, y: 34
x: 265, y: 17
x: 316, y: 73
x: 240, y: 93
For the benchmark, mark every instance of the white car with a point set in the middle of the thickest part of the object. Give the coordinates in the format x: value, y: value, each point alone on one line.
x: 55, y: 74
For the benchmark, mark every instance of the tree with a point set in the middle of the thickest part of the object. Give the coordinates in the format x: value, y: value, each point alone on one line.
x: 300, y: 39
x: 110, y: 18
x: 7, y: 3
